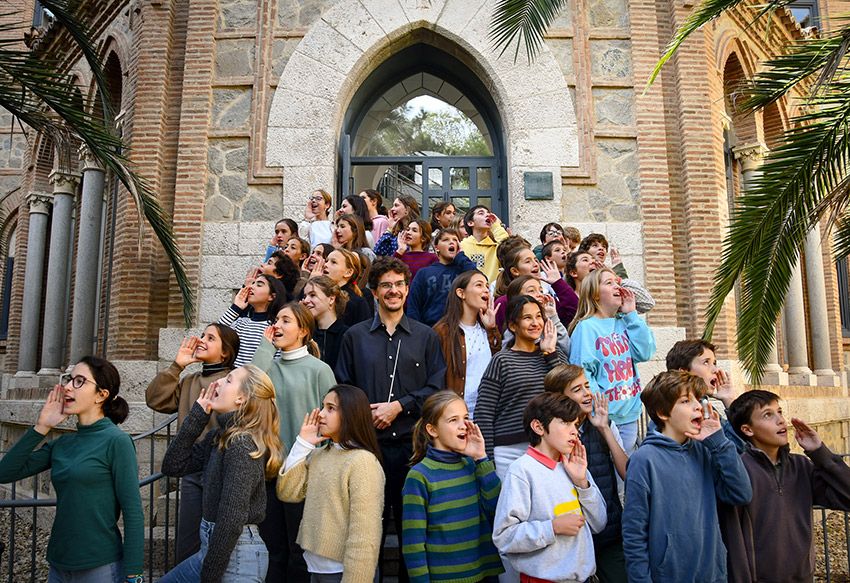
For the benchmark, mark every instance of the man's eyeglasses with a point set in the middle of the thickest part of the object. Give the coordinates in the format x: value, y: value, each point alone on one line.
x: 317, y: 198
x: 76, y: 381
x: 388, y: 285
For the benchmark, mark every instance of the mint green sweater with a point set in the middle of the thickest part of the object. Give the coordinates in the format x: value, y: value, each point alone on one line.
x: 95, y: 475
x: 300, y: 385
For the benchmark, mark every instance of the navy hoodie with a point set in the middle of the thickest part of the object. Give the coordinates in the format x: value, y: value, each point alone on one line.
x: 670, y: 525
x: 431, y: 286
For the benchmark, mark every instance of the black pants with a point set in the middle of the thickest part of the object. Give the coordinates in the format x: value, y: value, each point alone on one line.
x: 189, y: 516
x: 279, y: 530
x: 396, y: 456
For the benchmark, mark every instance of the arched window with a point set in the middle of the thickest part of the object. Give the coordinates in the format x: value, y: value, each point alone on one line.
x: 9, y: 268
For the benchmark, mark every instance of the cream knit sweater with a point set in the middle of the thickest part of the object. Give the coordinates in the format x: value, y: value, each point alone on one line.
x: 344, y: 491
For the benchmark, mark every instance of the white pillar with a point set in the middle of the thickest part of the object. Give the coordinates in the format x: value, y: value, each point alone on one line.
x: 39, y: 209
x: 816, y: 288
x: 750, y: 156
x: 799, y: 372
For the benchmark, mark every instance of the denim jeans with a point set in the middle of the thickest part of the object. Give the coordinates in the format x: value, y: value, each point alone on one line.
x: 628, y: 433
x: 249, y: 560
x: 111, y: 573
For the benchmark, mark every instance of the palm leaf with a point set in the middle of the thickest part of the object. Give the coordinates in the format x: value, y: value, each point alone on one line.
x: 523, y: 21
x: 701, y: 15
x: 800, y: 180
x: 35, y: 90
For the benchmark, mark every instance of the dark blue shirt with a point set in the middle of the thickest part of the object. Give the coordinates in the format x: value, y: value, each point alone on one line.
x: 367, y: 358
x: 431, y: 286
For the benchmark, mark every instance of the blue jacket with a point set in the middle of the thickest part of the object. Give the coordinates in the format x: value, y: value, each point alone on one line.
x: 609, y: 349
x: 430, y: 288
x: 670, y: 525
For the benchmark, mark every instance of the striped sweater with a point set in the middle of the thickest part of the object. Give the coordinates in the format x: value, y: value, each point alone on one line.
x: 511, y: 380
x: 449, y: 505
x: 250, y: 326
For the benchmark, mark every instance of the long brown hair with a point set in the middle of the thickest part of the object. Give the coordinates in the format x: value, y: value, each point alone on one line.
x: 258, y: 418
x: 424, y: 233
x: 588, y: 297
x: 451, y: 319
x: 307, y: 322
x: 356, y: 430
x: 358, y: 240
x: 508, y: 253
x: 432, y: 410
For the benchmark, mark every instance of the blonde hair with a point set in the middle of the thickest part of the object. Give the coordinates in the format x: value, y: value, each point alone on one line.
x: 588, y: 297
x: 259, y: 419
x: 352, y: 262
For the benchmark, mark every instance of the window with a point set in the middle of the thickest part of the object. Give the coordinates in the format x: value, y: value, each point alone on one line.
x: 41, y: 16
x: 805, y: 13
x: 844, y: 295
x: 7, y: 287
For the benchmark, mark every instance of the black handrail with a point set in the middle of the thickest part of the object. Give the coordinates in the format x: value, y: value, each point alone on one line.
x: 149, y: 481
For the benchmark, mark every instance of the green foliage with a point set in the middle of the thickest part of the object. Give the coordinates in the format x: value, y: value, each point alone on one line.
x: 804, y: 180
x: 405, y: 132
x: 523, y: 21
x: 36, y: 89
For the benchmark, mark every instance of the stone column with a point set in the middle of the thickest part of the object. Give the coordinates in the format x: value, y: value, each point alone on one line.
x: 55, y: 304
x: 88, y: 249
x: 750, y: 156
x: 39, y: 209
x: 799, y: 372
x: 816, y: 288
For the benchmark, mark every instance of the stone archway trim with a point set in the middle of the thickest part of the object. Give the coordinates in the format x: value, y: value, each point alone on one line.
x: 354, y: 36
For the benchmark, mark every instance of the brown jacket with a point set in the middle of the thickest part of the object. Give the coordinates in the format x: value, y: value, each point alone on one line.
x: 168, y: 393
x: 770, y: 539
x: 457, y: 382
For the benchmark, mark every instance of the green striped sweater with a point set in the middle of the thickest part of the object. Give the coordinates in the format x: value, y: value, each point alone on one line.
x: 449, y: 504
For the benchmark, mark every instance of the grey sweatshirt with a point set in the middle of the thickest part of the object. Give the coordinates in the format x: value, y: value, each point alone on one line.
x: 535, y: 491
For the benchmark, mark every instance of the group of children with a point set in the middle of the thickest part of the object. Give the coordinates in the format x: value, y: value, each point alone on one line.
x: 483, y: 395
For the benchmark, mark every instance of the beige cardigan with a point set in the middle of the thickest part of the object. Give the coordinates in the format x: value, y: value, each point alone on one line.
x: 344, y: 491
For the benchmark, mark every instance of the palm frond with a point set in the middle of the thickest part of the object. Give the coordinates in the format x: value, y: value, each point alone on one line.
x: 810, y: 65
x: 707, y: 11
x: 34, y: 90
x: 771, y: 220
x: 841, y: 234
x: 523, y: 21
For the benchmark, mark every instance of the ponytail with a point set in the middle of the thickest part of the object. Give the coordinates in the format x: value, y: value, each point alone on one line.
x: 116, y: 409
x: 421, y: 439
x: 432, y: 410
x: 313, y: 348
x: 106, y: 378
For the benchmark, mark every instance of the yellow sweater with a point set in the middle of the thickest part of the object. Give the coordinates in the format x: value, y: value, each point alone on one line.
x: 483, y: 253
x: 344, y: 491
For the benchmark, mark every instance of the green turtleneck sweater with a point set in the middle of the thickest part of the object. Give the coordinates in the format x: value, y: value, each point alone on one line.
x: 95, y: 475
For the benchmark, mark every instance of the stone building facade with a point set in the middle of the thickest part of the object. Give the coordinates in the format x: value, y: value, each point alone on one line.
x: 235, y: 110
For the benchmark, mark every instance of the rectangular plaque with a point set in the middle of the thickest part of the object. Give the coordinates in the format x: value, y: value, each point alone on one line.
x: 538, y: 186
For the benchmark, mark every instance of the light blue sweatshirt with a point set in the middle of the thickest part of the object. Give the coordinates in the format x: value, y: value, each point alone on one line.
x: 608, y: 349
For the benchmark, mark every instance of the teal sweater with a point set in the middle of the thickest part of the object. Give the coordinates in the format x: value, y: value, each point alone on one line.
x: 449, y: 505
x: 299, y: 385
x: 95, y: 475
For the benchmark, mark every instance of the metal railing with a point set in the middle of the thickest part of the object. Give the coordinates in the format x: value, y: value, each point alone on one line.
x: 393, y: 183
x: 159, y: 557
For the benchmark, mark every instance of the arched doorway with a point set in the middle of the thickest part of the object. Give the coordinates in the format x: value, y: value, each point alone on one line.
x: 424, y: 124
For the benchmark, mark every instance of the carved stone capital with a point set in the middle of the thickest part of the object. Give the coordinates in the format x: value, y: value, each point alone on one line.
x: 64, y: 182
x: 750, y: 155
x: 39, y: 202
x: 88, y: 159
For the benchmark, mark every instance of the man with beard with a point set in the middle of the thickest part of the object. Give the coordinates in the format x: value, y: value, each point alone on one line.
x: 398, y: 363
